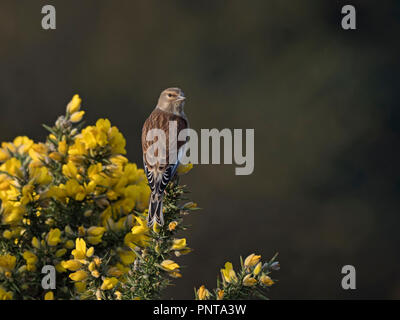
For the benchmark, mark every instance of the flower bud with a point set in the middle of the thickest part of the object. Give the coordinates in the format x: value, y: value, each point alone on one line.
x: 251, y: 260
x: 248, y: 281
x: 74, y: 105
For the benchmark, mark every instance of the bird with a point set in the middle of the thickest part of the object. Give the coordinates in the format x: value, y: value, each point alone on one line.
x: 161, y: 170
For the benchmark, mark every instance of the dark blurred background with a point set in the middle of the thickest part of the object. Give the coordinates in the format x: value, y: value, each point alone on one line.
x: 323, y: 102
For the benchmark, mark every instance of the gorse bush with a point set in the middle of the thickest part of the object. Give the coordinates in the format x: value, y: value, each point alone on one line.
x: 75, y: 202
x: 252, y: 281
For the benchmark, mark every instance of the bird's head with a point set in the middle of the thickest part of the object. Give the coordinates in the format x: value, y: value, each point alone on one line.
x: 172, y: 100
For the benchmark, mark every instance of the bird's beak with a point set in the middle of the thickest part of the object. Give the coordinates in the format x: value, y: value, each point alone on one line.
x: 181, y: 98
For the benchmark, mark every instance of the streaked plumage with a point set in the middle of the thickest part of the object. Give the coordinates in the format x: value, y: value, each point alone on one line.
x: 169, y: 108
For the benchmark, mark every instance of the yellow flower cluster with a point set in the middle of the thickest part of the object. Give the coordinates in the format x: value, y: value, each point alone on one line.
x: 19, y: 184
x: 5, y: 295
x: 56, y: 197
x: 254, y: 274
x: 99, y: 138
x: 7, y: 264
x: 252, y: 267
x: 117, y: 184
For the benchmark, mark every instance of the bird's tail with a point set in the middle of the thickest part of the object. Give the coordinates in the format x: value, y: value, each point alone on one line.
x: 155, y: 211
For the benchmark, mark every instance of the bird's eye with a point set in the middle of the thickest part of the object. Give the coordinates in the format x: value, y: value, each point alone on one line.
x: 169, y: 95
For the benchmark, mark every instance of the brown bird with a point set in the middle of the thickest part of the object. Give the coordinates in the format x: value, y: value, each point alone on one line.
x: 161, y: 168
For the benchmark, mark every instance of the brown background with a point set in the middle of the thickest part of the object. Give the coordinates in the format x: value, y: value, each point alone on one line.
x: 323, y: 102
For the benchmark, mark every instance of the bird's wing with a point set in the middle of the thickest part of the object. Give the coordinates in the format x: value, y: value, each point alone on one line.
x: 159, y: 175
x: 167, y: 176
x: 149, y: 175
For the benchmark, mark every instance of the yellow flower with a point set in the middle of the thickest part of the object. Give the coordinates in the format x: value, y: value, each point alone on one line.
x: 257, y: 269
x: 80, y: 287
x: 130, y: 240
x: 37, y: 154
x: 184, y: 168
x: 13, y: 167
x: 35, y: 243
x: 72, y: 265
x: 7, y: 234
x: 139, y: 234
x: 89, y: 252
x: 117, y: 141
x: 69, y: 170
x: 80, y: 250
x: 99, y: 136
x: 95, y: 234
x: 95, y: 273
x: 91, y: 266
x: 228, y: 273
x: 60, y: 268
x: 118, y: 270
x: 60, y: 252
x: 81, y: 231
x: 57, y: 192
x: 118, y: 295
x: 190, y: 205
x: 40, y: 175
x: 13, y: 213
x: 178, y: 244
x: 203, y: 293
x: 27, y: 194
x: 266, y: 280
x: 53, y: 237
x: 5, y: 295
x: 49, y: 295
x: 4, y: 155
x: 79, y: 275
x: 91, y: 137
x: 5, y: 183
x: 97, y: 261
x: 69, y: 244
x: 248, y: 281
x: 23, y: 144
x: 68, y: 230
x: 55, y: 156
x: 251, y: 260
x: 49, y: 221
x: 75, y: 190
x: 172, y: 226
x: 96, y: 231
x: 103, y: 125
x: 183, y: 251
x: 31, y: 260
x: 7, y: 263
x: 20, y: 145
x: 94, y: 240
x: 74, y: 105
x: 63, y: 147
x: 220, y: 294
x: 175, y: 274
x: 95, y: 173
x: 169, y: 265
x: 77, y: 116
x: 140, y: 228
x: 109, y: 283
x: 127, y: 256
